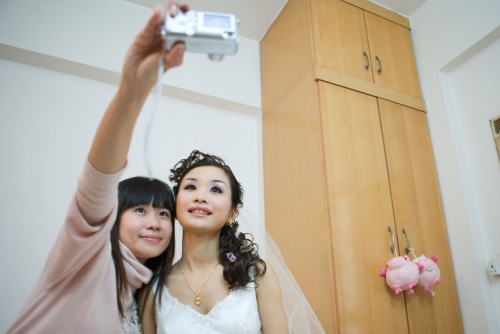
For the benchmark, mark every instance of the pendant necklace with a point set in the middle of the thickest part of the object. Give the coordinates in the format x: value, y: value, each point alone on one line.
x: 197, y: 299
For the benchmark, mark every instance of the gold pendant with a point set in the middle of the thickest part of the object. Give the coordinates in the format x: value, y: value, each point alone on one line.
x: 197, y: 300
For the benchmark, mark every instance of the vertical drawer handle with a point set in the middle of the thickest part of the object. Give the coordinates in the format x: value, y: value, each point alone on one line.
x: 393, y: 247
x: 380, y: 65
x: 367, y: 61
x: 407, y: 249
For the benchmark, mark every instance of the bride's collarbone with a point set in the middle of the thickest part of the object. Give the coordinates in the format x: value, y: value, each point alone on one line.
x: 215, y: 291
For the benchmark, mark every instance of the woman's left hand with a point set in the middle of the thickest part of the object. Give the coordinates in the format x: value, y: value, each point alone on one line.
x: 140, y: 70
x: 111, y: 144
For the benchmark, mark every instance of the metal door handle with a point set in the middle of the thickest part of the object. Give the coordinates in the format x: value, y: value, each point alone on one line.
x: 407, y: 249
x: 367, y: 61
x: 380, y: 65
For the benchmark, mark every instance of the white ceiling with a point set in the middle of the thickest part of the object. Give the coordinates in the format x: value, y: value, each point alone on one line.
x: 403, y: 7
x: 256, y: 16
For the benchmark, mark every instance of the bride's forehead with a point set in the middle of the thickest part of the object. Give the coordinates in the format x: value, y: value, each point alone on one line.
x: 206, y: 172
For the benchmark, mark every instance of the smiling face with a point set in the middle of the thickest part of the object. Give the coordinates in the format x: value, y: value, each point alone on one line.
x: 146, y: 230
x: 204, y: 199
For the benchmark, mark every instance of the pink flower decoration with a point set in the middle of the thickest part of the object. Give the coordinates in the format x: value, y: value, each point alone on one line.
x: 231, y: 257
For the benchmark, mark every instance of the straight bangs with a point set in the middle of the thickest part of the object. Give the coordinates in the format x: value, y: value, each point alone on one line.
x: 144, y: 191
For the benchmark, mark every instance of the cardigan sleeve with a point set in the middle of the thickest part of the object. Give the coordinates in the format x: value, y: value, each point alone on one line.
x: 97, y: 194
x: 86, y: 230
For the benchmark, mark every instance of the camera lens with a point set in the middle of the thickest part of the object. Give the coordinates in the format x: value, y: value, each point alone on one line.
x: 215, y: 57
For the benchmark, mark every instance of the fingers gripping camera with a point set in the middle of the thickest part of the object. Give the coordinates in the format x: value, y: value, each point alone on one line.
x: 213, y: 33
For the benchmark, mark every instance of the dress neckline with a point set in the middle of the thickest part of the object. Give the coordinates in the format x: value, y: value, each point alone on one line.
x: 213, y: 310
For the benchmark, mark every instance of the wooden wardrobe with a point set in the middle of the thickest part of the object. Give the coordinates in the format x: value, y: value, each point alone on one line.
x: 347, y: 153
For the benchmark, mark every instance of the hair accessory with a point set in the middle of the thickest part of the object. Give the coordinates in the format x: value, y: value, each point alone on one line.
x: 197, y: 158
x: 231, y: 257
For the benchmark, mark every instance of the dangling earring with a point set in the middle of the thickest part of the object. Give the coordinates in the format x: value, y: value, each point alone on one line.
x: 230, y: 222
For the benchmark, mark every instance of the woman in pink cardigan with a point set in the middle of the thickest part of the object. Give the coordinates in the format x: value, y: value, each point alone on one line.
x: 108, y: 249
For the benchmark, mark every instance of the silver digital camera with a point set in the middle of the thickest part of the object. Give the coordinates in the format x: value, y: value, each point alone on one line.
x: 213, y: 33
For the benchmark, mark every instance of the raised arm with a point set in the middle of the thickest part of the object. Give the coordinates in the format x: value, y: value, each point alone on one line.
x: 110, y: 147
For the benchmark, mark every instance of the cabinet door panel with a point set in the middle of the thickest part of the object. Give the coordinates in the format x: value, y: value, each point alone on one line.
x: 417, y: 208
x: 391, y: 43
x: 296, y: 208
x: 360, y: 210
x: 340, y: 38
x: 285, y: 53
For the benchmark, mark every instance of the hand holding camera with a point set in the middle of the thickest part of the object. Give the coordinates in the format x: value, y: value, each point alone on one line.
x: 140, y: 69
x: 213, y: 33
x: 171, y: 35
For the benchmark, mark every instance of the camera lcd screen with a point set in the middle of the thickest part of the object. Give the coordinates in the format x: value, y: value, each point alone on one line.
x: 216, y: 21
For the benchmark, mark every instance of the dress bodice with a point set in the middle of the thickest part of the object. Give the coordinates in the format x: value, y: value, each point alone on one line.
x: 237, y: 313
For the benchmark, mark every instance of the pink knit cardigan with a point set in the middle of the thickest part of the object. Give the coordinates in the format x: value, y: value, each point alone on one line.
x: 77, y: 289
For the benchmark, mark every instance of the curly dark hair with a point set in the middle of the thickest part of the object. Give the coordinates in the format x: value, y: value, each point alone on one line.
x: 241, y: 245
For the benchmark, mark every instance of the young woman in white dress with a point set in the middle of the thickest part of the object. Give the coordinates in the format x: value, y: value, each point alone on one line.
x: 220, y: 284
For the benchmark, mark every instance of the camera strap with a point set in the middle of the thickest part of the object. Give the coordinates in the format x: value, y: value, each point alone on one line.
x: 152, y: 116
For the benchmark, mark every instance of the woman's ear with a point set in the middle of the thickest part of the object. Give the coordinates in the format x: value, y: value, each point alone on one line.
x: 233, y: 214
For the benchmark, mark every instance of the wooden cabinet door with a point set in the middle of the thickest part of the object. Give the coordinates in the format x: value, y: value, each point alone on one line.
x: 393, y: 61
x: 360, y: 210
x: 295, y: 194
x: 417, y: 208
x: 340, y: 38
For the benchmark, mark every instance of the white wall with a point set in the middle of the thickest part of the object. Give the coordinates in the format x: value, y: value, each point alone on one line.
x: 98, y: 33
x: 456, y: 49
x: 48, y: 119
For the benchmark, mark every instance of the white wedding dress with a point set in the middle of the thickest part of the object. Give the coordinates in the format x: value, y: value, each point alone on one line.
x: 237, y: 313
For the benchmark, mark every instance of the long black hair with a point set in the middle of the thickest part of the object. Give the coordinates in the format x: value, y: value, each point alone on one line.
x: 244, y: 250
x: 131, y: 193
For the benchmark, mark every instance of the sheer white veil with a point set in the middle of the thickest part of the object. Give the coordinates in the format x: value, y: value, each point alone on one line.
x: 301, y: 317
